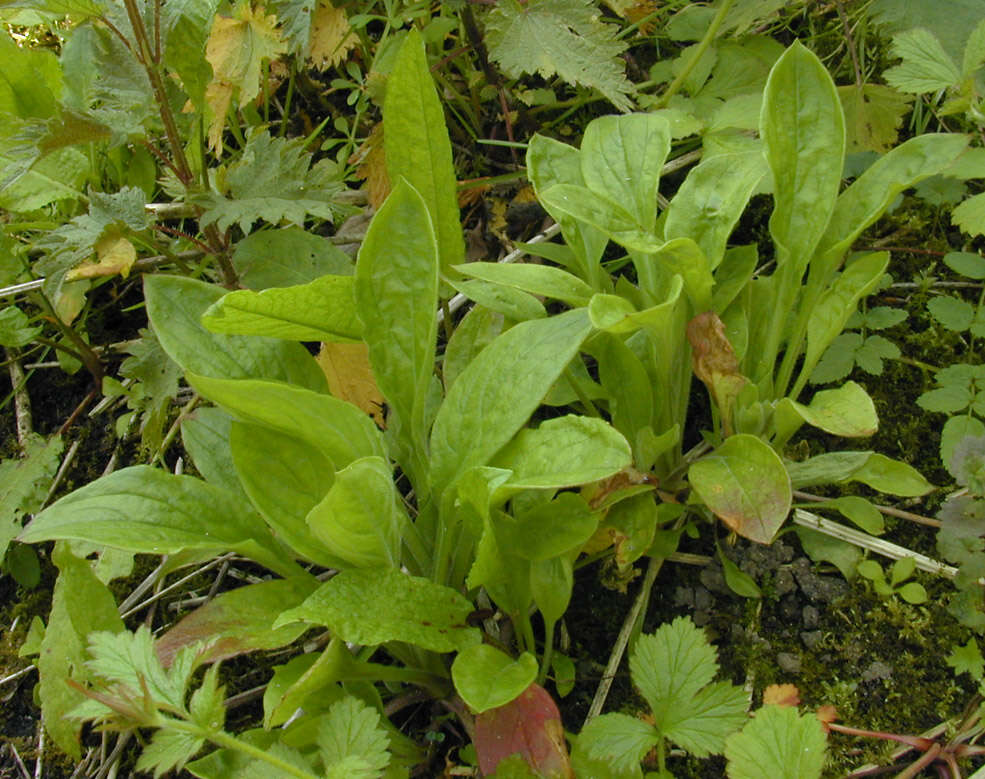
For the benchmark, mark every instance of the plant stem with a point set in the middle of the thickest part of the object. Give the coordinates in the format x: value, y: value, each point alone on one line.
x: 677, y: 83
x: 225, y: 740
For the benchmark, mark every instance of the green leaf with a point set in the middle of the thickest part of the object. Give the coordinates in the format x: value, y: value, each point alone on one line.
x: 873, y: 351
x: 512, y: 304
x: 601, y: 212
x: 24, y: 484
x: 738, y: 580
x: 876, y: 470
x: 167, y: 750
x: 778, y: 743
x: 80, y: 605
x: 967, y: 658
x: 970, y: 264
x: 338, y: 429
x: 284, y: 478
x: 321, y: 310
x: 543, y: 280
x: 559, y: 38
x: 951, y: 313
x: 926, y: 67
x: 397, y: 294
x: 619, y: 742
x: 360, y: 520
x: 949, y: 399
x: 550, y: 529
x: 873, y: 116
x: 287, y: 256
x: 419, y: 150
x: 367, y: 606
x: 174, y: 307
x: 970, y: 215
x: 351, y: 729
x: 847, y: 411
x: 745, y: 484
x: 205, y: 436
x: 14, y: 328
x: 858, y: 510
x: 486, y: 678
x: 955, y: 429
x: 272, y: 181
x: 472, y: 334
x: 564, y: 452
x: 615, y: 314
x: 621, y: 159
x: 803, y: 128
x: 499, y: 390
x: 710, y: 201
x: 142, y: 509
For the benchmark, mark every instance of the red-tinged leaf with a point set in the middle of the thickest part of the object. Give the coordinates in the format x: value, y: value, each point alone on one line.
x: 240, y: 620
x: 715, y: 363
x: 529, y: 725
x: 827, y: 714
x: 781, y: 695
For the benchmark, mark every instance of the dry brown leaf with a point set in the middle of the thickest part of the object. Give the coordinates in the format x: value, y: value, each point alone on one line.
x: 781, y: 695
x: 331, y: 36
x: 370, y: 160
x: 114, y: 255
x: 350, y: 377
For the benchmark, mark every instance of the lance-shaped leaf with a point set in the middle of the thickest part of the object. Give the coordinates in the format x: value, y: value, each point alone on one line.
x: 803, y: 127
x: 322, y: 310
x: 499, y: 390
x: 239, y: 621
x: 715, y: 363
x: 397, y: 295
x: 878, y: 471
x: 338, y: 429
x: 175, y: 305
x: 418, y: 148
x: 621, y: 158
x: 746, y: 485
x: 143, y: 509
x: 373, y: 606
x: 543, y: 280
x: 603, y: 213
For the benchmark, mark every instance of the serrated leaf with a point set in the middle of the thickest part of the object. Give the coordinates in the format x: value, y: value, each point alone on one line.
x: 952, y: 313
x: 331, y: 36
x: 882, y: 317
x: 14, y: 328
x: 372, y: 606
x: 967, y: 658
x: 873, y: 351
x: 618, y: 741
x: 713, y: 714
x: 167, y: 750
x: 236, y: 49
x: 779, y: 743
x: 559, y: 38
x: 926, y: 67
x: 351, y: 729
x: 873, y: 116
x: 970, y: 264
x: 970, y: 215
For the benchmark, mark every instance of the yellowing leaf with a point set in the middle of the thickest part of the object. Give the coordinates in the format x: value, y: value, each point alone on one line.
x: 236, y: 49
x: 331, y: 36
x: 781, y: 695
x: 873, y: 116
x: 371, y: 161
x: 115, y: 255
x: 350, y: 377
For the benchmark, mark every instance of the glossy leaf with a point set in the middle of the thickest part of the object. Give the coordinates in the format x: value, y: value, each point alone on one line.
x: 487, y: 678
x: 564, y: 452
x: 745, y: 484
x: 373, y: 606
x: 359, y: 520
x: 683, y: 256
x: 142, y: 509
x: 174, y: 307
x: 529, y: 726
x: 550, y: 529
x: 601, y: 212
x: 322, y: 310
x: 417, y: 145
x: 711, y: 200
x: 621, y: 159
x: 338, y: 429
x: 284, y: 478
x: 397, y: 295
x: 238, y: 621
x: 499, y: 390
x: 803, y: 128
x: 544, y: 280
x: 847, y: 411
x: 615, y: 314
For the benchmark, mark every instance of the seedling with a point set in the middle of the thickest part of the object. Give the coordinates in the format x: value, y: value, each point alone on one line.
x: 897, y: 584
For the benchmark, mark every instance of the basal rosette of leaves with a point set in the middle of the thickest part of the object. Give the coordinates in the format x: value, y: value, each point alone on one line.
x: 497, y: 505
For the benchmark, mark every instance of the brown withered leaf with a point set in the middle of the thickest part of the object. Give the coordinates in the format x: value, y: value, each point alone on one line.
x: 714, y: 362
x: 350, y: 377
x: 331, y: 36
x: 781, y: 695
x: 114, y: 255
x: 370, y: 160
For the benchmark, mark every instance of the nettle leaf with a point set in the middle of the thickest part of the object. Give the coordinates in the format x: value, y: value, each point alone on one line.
x: 372, y: 606
x: 559, y: 38
x: 350, y: 735
x: 272, y: 181
x: 926, y: 67
x: 779, y: 743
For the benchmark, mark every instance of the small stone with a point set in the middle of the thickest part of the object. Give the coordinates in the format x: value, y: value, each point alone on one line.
x: 877, y: 670
x: 783, y: 582
x: 788, y: 662
x: 702, y: 599
x: 684, y: 596
x: 811, y: 638
x: 790, y: 608
x: 811, y: 616
x: 712, y: 577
